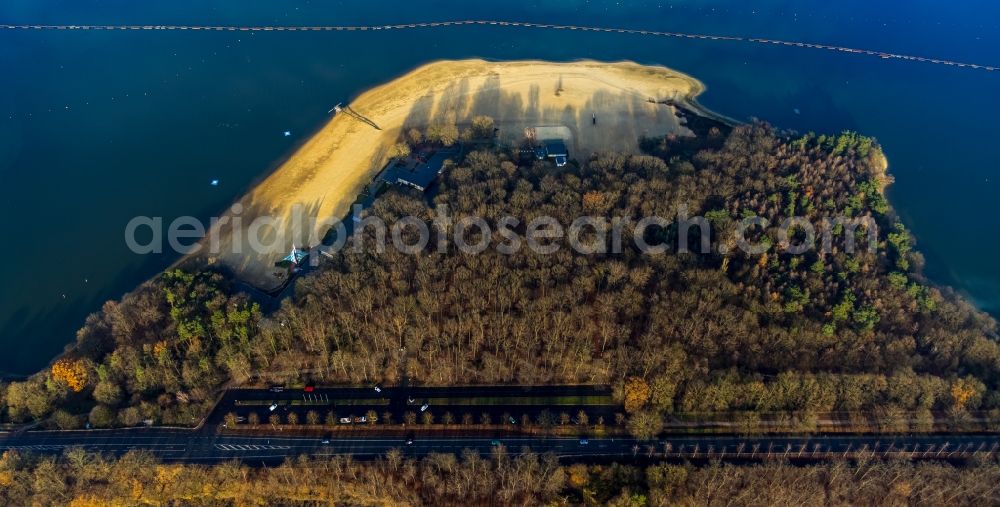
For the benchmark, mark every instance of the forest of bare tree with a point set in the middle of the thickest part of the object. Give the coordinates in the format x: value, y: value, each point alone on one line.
x: 82, y: 479
x: 703, y: 332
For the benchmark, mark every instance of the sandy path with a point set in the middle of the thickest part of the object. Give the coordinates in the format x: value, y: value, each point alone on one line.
x: 326, y: 174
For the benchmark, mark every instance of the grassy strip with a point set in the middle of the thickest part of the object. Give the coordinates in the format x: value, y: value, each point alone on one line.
x: 420, y: 430
x: 353, y: 402
x: 332, y: 402
x: 549, y: 401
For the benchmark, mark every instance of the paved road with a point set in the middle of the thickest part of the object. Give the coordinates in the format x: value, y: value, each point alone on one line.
x: 202, y: 446
x: 207, y: 445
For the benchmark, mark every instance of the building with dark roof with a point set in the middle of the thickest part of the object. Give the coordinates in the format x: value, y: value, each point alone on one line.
x: 423, y: 175
x: 554, y: 149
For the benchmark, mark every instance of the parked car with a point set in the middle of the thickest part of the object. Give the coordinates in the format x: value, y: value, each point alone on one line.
x: 584, y: 441
x: 424, y: 407
x: 273, y: 407
x: 361, y: 419
x: 345, y: 420
x: 308, y: 389
x: 325, y: 441
x: 378, y: 388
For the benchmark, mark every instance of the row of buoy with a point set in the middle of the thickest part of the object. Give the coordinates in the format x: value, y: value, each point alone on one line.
x: 433, y: 24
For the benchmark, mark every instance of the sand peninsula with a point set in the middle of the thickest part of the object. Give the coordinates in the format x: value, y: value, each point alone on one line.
x: 325, y: 175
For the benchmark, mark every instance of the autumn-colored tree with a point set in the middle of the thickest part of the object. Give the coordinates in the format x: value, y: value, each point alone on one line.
x: 645, y: 424
x: 107, y: 392
x: 65, y: 420
x: 482, y: 127
x: 84, y: 479
x: 445, y: 132
x: 636, y: 394
x: 399, y: 150
x: 176, y: 340
x: 594, y: 202
x: 72, y: 372
x: 962, y: 391
x: 578, y: 475
x: 101, y: 416
x: 414, y: 137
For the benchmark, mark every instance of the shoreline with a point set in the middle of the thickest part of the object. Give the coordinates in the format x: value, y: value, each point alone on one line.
x: 325, y: 173
x: 350, y: 192
x: 688, y: 101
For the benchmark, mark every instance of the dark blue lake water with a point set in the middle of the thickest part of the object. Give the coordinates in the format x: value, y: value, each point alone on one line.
x: 98, y: 127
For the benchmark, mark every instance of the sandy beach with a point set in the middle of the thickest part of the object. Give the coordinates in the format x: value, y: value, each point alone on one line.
x: 325, y: 175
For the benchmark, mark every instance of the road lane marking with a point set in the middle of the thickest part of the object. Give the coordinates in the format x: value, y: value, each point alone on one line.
x: 251, y: 447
